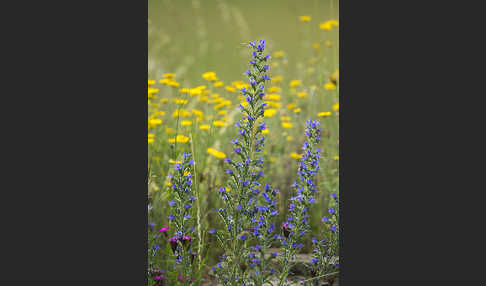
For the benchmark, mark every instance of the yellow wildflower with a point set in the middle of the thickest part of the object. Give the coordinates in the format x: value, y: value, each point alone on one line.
x: 297, y: 110
x: 230, y: 88
x: 295, y: 155
x: 277, y: 79
x: 291, y: 106
x: 325, y: 26
x: 181, y: 101
x: 265, y: 131
x: 222, y: 104
x: 274, y: 89
x: 290, y: 138
x: 223, y: 112
x: 324, y: 114
x: 217, y: 100
x: 330, y: 86
x: 277, y: 105
x: 272, y: 96
x: 295, y: 83
x: 204, y: 127
x: 195, y: 91
x: 316, y: 46
x: 174, y: 162
x: 269, y: 112
x: 151, y: 91
x: 180, y: 139
x: 197, y: 112
x: 174, y: 83
x: 164, y: 100
x: 151, y: 82
x: 287, y: 125
x: 239, y: 84
x: 156, y: 159
x: 333, y: 23
x: 150, y: 140
x: 156, y: 188
x: 184, y: 90
x: 169, y: 75
x: 182, y: 113
x: 302, y: 94
x: 305, y: 18
x: 186, y: 122
x: 285, y: 118
x: 210, y: 76
x: 328, y: 25
x: 218, y: 84
x: 335, y: 107
x: 155, y: 121
x: 216, y: 153
x: 336, y: 158
x: 278, y: 54
x: 218, y: 123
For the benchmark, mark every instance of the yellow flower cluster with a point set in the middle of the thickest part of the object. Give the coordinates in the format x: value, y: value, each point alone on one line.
x: 168, y: 79
x: 205, y: 127
x: 330, y: 86
x: 151, y: 137
x: 295, y: 155
x: 286, y: 125
x: 210, y: 76
x: 295, y: 83
x: 324, y: 114
x: 305, y: 18
x: 216, y: 153
x: 278, y: 54
x: 327, y: 26
x: 180, y: 139
x: 302, y: 94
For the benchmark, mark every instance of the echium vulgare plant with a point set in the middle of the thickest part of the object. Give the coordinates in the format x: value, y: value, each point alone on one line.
x: 295, y: 228
x: 181, y: 201
x: 325, y: 257
x: 241, y: 214
x: 262, y: 233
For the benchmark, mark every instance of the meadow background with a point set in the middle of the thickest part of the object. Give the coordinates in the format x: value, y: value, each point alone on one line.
x: 189, y: 38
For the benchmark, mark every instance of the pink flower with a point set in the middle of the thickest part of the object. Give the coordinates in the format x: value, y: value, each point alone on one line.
x: 159, y: 278
x: 164, y: 229
x: 179, y: 277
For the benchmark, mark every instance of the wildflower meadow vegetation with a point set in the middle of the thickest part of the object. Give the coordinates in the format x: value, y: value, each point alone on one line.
x: 243, y: 143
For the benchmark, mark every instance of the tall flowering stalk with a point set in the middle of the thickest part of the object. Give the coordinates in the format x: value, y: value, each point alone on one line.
x: 241, y: 193
x: 325, y: 257
x: 263, y: 234
x: 181, y: 202
x: 297, y: 226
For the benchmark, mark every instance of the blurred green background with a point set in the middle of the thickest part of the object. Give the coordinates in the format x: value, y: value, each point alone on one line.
x: 190, y: 37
